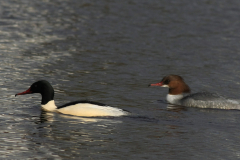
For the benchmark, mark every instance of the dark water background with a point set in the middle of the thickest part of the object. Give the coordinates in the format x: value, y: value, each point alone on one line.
x: 109, y: 51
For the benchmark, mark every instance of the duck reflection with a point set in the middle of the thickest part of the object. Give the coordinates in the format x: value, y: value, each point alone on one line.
x: 50, y: 117
x: 46, y: 117
x: 176, y: 108
x: 173, y: 107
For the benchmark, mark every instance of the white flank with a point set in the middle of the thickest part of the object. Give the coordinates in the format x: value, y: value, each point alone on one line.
x: 91, y: 110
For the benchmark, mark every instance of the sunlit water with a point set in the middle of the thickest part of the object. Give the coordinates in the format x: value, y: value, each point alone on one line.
x: 109, y: 51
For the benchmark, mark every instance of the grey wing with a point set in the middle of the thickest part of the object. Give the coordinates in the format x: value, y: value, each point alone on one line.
x: 209, y: 100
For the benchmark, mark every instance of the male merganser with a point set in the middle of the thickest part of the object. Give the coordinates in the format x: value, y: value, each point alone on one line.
x: 78, y: 108
x: 178, y: 88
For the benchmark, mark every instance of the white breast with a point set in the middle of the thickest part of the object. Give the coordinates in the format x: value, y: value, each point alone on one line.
x: 174, y: 99
x: 91, y: 110
x: 50, y: 106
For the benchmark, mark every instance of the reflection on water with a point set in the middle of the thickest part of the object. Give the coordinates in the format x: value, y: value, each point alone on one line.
x: 68, y: 134
x: 176, y: 107
x: 46, y: 117
x: 49, y: 117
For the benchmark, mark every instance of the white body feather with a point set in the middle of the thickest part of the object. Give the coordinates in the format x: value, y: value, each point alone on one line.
x: 85, y: 110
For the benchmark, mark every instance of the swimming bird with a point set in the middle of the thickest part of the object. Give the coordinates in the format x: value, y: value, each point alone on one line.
x: 83, y: 108
x: 179, y: 94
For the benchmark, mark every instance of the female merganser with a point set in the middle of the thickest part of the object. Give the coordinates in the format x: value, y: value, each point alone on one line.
x: 78, y: 108
x: 177, y: 89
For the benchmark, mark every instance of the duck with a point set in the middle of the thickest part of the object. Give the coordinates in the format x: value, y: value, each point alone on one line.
x: 179, y: 93
x: 83, y: 108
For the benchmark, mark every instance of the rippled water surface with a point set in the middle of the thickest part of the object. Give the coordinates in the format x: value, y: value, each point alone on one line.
x: 109, y: 51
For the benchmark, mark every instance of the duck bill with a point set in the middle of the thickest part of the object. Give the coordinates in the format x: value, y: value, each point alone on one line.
x: 25, y: 92
x: 157, y: 84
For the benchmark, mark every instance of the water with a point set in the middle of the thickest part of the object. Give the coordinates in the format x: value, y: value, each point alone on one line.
x: 109, y: 51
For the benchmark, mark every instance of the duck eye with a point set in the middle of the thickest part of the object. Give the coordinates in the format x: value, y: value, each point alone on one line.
x: 167, y: 81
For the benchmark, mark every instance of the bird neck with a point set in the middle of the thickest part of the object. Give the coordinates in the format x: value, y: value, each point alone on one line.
x: 47, y: 96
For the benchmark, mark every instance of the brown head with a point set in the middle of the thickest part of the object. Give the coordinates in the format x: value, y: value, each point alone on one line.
x: 175, y: 84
